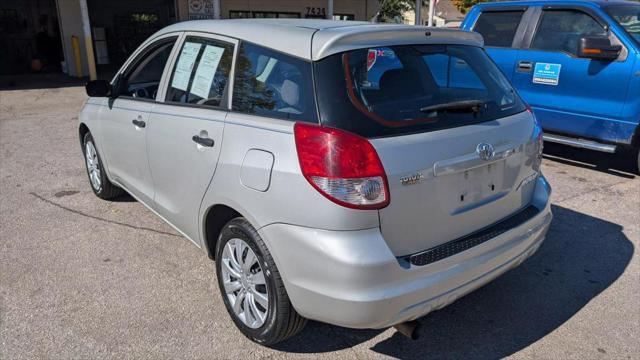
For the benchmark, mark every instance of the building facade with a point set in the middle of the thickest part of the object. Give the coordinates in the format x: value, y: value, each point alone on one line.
x: 79, y: 36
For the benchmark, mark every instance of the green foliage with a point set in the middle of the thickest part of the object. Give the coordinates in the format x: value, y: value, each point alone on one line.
x: 393, y: 10
x: 465, y: 5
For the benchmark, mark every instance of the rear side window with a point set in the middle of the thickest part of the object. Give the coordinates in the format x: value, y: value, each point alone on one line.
x: 498, y: 27
x: 201, y: 72
x: 397, y: 90
x: 561, y: 30
x: 270, y: 83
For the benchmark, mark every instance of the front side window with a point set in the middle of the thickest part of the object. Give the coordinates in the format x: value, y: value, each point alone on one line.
x: 561, y: 30
x: 143, y: 79
x: 270, y: 83
x: 201, y: 72
x: 498, y: 28
x: 628, y: 17
x: 397, y: 90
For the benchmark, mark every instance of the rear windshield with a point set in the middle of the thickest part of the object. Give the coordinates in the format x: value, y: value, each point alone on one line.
x: 394, y: 90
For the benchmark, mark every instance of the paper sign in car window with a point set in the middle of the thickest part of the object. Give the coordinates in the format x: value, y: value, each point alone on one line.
x: 206, y: 71
x: 547, y: 74
x: 185, y: 65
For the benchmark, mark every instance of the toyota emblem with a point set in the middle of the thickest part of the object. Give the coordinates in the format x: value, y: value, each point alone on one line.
x: 485, y: 151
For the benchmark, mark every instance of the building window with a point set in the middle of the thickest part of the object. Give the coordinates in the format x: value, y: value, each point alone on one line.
x: 350, y: 17
x: 239, y: 14
x: 275, y: 14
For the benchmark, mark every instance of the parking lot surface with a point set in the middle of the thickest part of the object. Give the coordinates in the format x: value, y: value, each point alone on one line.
x: 85, y: 278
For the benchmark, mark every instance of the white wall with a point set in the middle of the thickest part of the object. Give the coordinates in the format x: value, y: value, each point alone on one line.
x: 71, y: 24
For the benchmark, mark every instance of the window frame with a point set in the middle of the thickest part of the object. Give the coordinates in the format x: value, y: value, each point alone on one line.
x: 227, y: 97
x: 352, y: 16
x: 532, y: 31
x: 518, y: 38
x: 138, y: 56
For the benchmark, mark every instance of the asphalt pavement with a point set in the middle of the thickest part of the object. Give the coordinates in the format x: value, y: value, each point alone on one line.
x: 85, y: 278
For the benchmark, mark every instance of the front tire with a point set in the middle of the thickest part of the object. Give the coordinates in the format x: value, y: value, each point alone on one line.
x: 251, y: 286
x: 98, y: 180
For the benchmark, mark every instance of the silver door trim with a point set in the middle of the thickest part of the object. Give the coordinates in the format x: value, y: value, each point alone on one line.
x: 471, y: 160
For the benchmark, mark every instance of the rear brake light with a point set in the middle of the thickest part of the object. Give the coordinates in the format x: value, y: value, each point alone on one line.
x: 538, y: 139
x: 343, y: 167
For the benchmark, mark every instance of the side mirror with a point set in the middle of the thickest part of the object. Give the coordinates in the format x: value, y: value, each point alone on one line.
x: 98, y: 88
x: 598, y: 47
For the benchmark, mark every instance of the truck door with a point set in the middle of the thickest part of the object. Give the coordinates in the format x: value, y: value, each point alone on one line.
x: 575, y: 96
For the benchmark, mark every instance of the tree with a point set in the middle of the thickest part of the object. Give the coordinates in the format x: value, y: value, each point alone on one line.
x: 465, y: 5
x: 393, y: 10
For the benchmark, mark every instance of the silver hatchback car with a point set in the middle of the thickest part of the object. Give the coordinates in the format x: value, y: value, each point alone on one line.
x: 352, y: 173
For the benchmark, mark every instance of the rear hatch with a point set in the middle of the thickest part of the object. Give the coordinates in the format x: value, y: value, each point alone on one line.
x: 455, y: 140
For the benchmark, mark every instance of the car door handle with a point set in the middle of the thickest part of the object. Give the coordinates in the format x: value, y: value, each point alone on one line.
x: 139, y: 123
x: 204, y: 141
x: 525, y: 66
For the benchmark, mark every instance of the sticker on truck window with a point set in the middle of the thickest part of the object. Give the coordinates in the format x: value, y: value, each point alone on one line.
x: 547, y: 74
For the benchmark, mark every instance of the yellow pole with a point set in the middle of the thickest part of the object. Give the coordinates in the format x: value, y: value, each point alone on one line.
x: 75, y: 44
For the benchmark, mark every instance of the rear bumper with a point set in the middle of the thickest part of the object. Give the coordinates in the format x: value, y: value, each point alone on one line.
x: 352, y: 279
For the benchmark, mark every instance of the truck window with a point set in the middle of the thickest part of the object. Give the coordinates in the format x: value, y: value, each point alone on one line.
x: 498, y: 27
x: 561, y: 30
x: 628, y: 16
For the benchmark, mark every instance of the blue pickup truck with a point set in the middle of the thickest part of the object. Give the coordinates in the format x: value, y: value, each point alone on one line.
x: 576, y: 63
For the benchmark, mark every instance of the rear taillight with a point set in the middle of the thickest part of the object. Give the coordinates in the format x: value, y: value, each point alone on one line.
x: 342, y: 166
x: 538, y: 139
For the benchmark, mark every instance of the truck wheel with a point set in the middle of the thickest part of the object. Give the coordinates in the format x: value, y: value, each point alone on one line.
x: 100, y: 184
x: 251, y: 286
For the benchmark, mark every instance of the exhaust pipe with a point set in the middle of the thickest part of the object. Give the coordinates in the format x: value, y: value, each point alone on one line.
x: 409, y: 329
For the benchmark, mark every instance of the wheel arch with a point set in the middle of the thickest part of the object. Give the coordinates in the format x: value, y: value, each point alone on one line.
x: 635, y: 140
x: 83, y: 129
x: 215, y: 218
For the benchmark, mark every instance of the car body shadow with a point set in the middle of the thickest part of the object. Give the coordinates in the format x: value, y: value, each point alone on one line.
x: 622, y: 164
x: 124, y: 198
x: 39, y: 81
x: 581, y: 257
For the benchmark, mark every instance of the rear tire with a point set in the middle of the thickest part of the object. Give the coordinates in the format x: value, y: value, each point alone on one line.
x: 100, y: 184
x: 269, y: 324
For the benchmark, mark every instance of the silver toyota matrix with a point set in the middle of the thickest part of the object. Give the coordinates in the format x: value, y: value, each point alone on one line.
x: 352, y: 173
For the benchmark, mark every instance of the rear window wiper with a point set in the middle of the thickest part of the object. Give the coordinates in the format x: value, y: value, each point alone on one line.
x: 472, y: 105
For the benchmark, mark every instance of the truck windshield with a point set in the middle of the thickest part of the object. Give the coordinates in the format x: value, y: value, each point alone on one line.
x: 628, y: 17
x: 395, y: 90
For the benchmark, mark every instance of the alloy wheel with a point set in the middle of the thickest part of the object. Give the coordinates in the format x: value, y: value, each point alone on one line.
x: 93, y: 165
x: 244, y: 283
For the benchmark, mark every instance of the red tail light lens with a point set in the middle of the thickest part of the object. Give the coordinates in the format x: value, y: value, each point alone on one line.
x: 342, y: 166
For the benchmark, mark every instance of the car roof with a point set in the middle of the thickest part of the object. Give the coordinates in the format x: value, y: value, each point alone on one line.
x: 314, y: 39
x: 599, y: 3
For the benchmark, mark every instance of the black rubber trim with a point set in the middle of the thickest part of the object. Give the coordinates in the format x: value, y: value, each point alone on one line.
x: 467, y: 242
